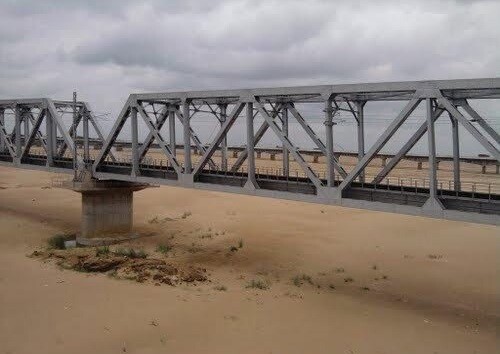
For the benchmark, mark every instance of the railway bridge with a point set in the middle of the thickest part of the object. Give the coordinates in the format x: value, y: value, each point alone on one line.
x: 57, y: 136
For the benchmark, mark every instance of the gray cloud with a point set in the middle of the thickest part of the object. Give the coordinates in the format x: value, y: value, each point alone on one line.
x: 106, y: 49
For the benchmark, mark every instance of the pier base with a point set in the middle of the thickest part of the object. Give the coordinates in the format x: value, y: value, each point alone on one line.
x: 107, y: 210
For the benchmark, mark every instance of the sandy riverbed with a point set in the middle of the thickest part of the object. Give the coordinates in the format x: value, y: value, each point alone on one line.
x: 381, y: 283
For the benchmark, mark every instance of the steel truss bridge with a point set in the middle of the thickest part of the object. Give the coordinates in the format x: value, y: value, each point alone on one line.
x: 40, y: 124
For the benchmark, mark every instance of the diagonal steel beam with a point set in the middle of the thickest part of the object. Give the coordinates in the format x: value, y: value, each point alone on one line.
x: 115, y: 131
x: 143, y: 150
x: 7, y: 140
x: 93, y: 120
x: 39, y: 134
x: 381, y: 141
x: 35, y: 132
x: 159, y: 139
x: 74, y: 125
x: 472, y: 112
x: 288, y: 144
x: 315, y: 138
x: 196, y: 140
x: 470, y: 128
x: 56, y: 118
x: 231, y: 118
x: 258, y: 135
x: 406, y: 148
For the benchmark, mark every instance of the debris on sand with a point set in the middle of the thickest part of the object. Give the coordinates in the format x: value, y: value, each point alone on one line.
x: 120, y: 266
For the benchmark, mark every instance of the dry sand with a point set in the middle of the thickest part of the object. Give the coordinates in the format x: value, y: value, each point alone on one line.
x: 435, y: 288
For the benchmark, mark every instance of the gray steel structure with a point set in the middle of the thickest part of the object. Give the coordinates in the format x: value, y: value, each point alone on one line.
x: 276, y: 106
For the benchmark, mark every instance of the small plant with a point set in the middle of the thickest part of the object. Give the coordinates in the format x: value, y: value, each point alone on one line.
x: 130, y: 253
x: 365, y: 288
x: 374, y: 267
x: 348, y: 280
x: 385, y: 277
x: 57, y: 241
x: 163, y: 248
x: 240, y: 244
x: 258, y: 284
x: 102, y: 251
x: 233, y: 248
x: 340, y: 270
x: 220, y: 288
x: 298, y: 280
x: 185, y: 214
x: 435, y: 256
x: 331, y: 286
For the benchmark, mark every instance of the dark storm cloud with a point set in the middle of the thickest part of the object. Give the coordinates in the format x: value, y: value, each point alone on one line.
x: 106, y: 49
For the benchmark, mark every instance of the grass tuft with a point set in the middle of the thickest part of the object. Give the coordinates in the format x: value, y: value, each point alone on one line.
x: 298, y: 280
x: 220, y: 287
x: 186, y: 214
x: 164, y: 249
x: 435, y: 256
x: 258, y: 284
x: 348, y: 280
x: 102, y: 251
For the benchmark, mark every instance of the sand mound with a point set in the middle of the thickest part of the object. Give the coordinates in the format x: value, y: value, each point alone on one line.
x: 119, y: 266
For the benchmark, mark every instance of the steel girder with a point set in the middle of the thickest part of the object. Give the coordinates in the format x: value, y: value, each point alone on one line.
x: 276, y: 106
x: 31, y: 113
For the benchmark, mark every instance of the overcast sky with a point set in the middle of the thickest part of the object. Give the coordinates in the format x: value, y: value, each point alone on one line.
x: 107, y: 49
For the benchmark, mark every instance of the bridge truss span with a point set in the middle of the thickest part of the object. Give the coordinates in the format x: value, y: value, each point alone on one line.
x: 157, y: 154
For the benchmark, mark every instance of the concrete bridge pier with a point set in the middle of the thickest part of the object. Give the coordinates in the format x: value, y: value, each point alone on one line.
x: 107, y: 210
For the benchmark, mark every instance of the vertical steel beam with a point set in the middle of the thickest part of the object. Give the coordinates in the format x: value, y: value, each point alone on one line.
x: 86, y: 137
x: 456, y: 153
x: 135, y: 142
x: 187, y: 137
x: 360, y: 105
x: 250, y: 145
x: 49, y: 131
x: 330, y: 171
x: 432, y: 149
x: 54, y: 134
x: 2, y: 123
x: 171, y: 129
x: 74, y: 136
x: 17, y: 130
x: 223, y: 144
x: 286, y: 154
x: 26, y: 121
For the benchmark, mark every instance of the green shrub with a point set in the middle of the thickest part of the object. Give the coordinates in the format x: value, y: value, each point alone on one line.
x: 102, y: 251
x: 163, y: 248
x: 258, y: 284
